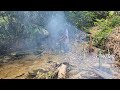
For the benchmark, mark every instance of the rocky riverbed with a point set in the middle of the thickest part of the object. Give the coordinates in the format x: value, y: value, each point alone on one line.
x: 43, y: 67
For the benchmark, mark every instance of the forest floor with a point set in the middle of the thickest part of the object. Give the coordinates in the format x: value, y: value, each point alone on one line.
x: 79, y: 59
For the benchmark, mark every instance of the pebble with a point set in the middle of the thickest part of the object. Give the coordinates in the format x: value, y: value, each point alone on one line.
x: 5, y: 61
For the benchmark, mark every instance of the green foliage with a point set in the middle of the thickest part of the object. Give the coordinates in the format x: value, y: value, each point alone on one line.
x: 101, y: 14
x: 111, y: 13
x: 3, y: 20
x: 85, y: 19
x: 106, y: 26
x: 99, y: 38
x: 15, y: 26
x: 18, y: 26
x: 48, y: 75
x: 82, y: 19
x: 115, y: 21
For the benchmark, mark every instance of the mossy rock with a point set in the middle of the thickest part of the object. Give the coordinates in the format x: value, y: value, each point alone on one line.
x: 41, y: 74
x: 48, y: 75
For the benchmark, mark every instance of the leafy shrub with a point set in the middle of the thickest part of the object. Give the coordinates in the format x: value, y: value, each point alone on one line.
x: 103, y: 24
x: 115, y: 21
x: 82, y: 19
x: 106, y: 26
x: 99, y: 38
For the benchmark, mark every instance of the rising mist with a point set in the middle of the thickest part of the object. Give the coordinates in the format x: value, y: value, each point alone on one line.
x: 48, y: 30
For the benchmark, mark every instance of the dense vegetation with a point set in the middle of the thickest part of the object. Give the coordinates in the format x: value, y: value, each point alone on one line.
x: 15, y: 27
x: 99, y: 23
x: 105, y: 28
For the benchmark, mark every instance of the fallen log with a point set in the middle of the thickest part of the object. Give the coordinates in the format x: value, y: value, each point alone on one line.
x: 102, y: 74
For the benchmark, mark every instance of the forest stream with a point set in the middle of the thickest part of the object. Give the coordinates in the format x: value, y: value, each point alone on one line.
x: 59, y: 44
x: 80, y: 63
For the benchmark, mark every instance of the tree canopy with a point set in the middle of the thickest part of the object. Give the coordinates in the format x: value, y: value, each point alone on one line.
x: 17, y: 26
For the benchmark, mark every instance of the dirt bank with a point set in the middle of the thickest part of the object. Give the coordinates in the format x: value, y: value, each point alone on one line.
x: 113, y: 43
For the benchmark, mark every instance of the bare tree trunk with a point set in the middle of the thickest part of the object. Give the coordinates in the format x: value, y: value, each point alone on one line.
x: 90, y: 44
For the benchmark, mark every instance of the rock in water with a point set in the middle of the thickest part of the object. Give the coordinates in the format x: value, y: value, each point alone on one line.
x: 7, y: 57
x: 5, y: 61
x: 13, y: 54
x: 62, y: 70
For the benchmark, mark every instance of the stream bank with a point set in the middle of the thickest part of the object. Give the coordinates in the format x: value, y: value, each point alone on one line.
x: 79, y: 59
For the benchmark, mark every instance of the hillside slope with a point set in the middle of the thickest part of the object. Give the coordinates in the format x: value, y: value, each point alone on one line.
x: 113, y: 43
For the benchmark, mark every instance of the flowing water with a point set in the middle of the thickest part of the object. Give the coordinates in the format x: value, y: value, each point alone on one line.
x: 65, y: 43
x: 80, y: 60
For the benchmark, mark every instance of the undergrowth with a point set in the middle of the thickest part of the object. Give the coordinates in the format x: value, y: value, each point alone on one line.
x: 106, y: 26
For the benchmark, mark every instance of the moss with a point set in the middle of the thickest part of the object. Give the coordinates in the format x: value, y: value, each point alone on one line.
x: 47, y: 75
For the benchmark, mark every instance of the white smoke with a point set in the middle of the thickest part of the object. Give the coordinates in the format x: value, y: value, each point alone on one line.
x: 55, y: 27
